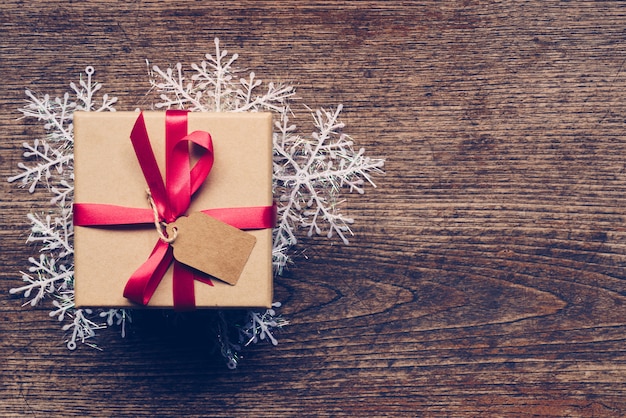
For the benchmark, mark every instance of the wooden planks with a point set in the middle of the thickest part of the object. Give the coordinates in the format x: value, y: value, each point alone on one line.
x: 486, y: 275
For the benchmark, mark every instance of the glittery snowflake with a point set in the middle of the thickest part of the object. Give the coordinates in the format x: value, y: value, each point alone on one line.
x: 309, y: 174
x: 50, y: 165
x: 257, y: 326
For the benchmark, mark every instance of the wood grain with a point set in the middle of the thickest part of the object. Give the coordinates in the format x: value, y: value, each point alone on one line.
x: 486, y: 274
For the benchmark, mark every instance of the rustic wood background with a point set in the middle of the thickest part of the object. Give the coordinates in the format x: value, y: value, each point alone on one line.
x: 487, y: 275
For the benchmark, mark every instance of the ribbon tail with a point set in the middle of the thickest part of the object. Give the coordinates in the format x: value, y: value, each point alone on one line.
x: 203, y: 278
x: 144, y: 281
x: 149, y: 167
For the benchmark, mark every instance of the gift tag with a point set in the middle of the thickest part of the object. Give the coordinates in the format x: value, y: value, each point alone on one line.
x: 211, y: 246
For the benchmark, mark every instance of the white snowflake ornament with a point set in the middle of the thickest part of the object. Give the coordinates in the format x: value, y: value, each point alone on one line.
x: 50, y: 165
x: 309, y: 172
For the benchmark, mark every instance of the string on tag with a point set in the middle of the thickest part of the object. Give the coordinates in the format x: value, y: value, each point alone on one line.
x: 160, y: 225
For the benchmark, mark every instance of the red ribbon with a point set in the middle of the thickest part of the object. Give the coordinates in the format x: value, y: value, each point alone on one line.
x: 171, y: 199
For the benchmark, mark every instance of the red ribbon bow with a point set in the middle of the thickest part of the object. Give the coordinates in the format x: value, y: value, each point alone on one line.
x: 171, y: 199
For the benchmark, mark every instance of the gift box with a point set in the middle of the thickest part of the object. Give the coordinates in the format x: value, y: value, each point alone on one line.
x: 108, y: 171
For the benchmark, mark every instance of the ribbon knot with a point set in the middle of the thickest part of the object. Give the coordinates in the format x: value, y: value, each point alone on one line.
x: 160, y: 226
x: 171, y: 200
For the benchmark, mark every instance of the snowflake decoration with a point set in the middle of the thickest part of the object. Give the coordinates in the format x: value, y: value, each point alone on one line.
x: 52, y: 273
x: 309, y: 174
x: 257, y: 327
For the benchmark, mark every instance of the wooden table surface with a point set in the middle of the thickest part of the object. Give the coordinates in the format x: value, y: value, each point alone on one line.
x: 487, y: 274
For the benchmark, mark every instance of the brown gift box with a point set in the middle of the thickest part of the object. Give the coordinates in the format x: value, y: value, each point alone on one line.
x: 106, y: 171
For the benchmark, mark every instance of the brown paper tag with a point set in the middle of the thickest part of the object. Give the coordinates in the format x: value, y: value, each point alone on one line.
x: 211, y: 246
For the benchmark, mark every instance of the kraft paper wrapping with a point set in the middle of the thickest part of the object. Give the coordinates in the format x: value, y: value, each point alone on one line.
x: 106, y: 171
